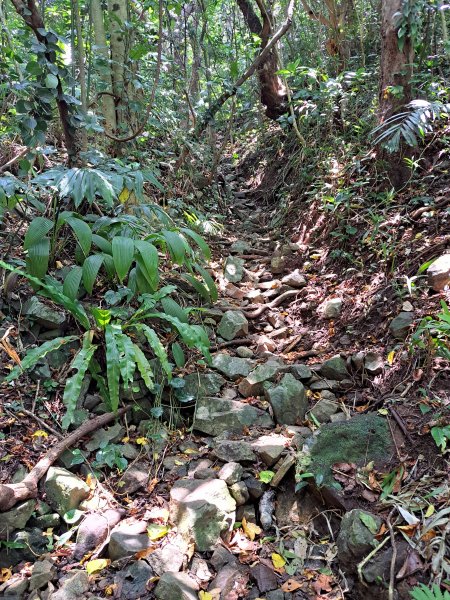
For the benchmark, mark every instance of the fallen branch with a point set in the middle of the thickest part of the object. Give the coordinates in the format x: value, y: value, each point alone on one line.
x: 236, y: 342
x: 273, y: 304
x: 13, y: 160
x: 12, y: 493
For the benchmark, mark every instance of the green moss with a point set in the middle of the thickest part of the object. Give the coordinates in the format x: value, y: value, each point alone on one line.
x: 360, y: 440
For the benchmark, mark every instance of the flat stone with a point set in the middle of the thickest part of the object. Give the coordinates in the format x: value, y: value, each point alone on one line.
x: 65, y: 491
x: 269, y: 448
x: 400, y: 325
x: 231, y: 366
x: 232, y: 325
x: 357, y: 536
x: 324, y: 385
x: 244, y: 352
x: 176, y: 586
x: 239, y: 492
x: 43, y: 314
x: 229, y: 577
x: 217, y: 415
x: 202, y: 511
x: 123, y: 543
x: 286, y: 465
x: 15, y: 518
x: 332, y: 308
x: 169, y: 557
x: 133, y: 580
x: 439, y: 273
x: 324, y: 409
x: 240, y: 247
x: 334, y: 368
x: 94, y: 530
x: 234, y: 269
x: 277, y: 264
x: 294, y: 279
x: 203, y: 384
x: 300, y: 371
x: 134, y: 478
x: 231, y: 473
x: 43, y: 571
x: 73, y: 586
x: 234, y: 451
x: 14, y: 588
x: 373, y: 363
x: 288, y: 400
x: 205, y: 474
x: 252, y: 385
x: 232, y: 291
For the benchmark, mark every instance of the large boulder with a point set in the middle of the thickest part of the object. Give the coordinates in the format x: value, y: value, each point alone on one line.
x: 288, y: 400
x: 356, y: 537
x: 202, y: 510
x: 65, y: 491
x: 217, y: 415
x: 232, y: 367
x: 232, y: 325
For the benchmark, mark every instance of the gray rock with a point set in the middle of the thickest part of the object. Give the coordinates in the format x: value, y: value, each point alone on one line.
x: 331, y: 309
x: 20, y: 474
x: 324, y: 385
x: 46, y: 521
x: 232, y: 325
x: 43, y: 571
x: 232, y: 367
x: 176, y: 586
x: 439, y: 273
x: 133, y: 580
x: 104, y: 436
x: 334, y: 368
x: 373, y: 363
x: 240, y: 493
x: 221, y: 557
x: 169, y: 557
x: 202, y: 511
x: 44, y: 315
x: 240, y: 247
x: 288, y: 400
x: 324, y: 409
x: 64, y: 490
x: 294, y: 279
x: 256, y: 487
x: 231, y: 473
x: 400, y: 325
x: 275, y: 595
x: 15, y: 518
x: 134, y: 478
x: 126, y: 543
x: 94, y: 529
x: 231, y: 576
x: 217, y: 415
x: 205, y: 474
x: 277, y: 264
x: 73, y: 587
x: 357, y: 536
x: 14, y: 588
x: 234, y: 451
x: 234, y: 269
x: 269, y: 448
x: 31, y: 543
x: 244, y: 352
x: 203, y: 384
x: 252, y: 385
x: 302, y: 372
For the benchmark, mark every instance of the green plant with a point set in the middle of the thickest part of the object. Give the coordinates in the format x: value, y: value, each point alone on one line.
x: 434, y: 333
x: 116, y: 341
x: 422, y: 592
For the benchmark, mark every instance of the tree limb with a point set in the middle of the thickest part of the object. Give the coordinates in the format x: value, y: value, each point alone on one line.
x: 12, y: 493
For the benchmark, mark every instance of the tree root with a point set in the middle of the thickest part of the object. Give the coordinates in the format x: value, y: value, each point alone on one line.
x: 259, y: 311
x: 12, y: 493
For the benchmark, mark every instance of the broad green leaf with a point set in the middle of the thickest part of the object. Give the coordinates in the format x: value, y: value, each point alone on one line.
x: 33, y: 356
x: 369, y: 522
x: 38, y: 257
x: 156, y: 531
x: 74, y: 383
x: 194, y: 336
x: 38, y: 229
x: 199, y: 241
x: 72, y: 282
x: 149, y: 262
x: 102, y: 317
x: 51, y: 81
x: 127, y: 362
x: 172, y: 308
x: 178, y: 355
x: 198, y: 287
x: 91, y: 267
x: 101, y: 243
x: 266, y: 476
x: 157, y: 347
x: 123, y: 254
x: 176, y: 246
x: 82, y: 232
x: 144, y: 367
x: 112, y: 364
x: 208, y: 280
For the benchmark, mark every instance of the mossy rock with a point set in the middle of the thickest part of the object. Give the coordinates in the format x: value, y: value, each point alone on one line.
x: 360, y: 440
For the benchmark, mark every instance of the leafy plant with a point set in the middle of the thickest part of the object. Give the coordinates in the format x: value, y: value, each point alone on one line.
x: 434, y: 333
x: 410, y: 126
x: 422, y: 592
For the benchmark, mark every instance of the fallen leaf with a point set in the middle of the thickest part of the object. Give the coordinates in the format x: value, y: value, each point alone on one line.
x: 156, y: 532
x: 91, y: 481
x: 390, y: 357
x: 40, y: 433
x: 141, y: 441
x: 110, y: 589
x: 278, y: 561
x: 250, y: 529
x: 5, y: 574
x: 430, y: 511
x: 205, y: 595
x: 291, y: 585
x: 322, y: 583
x: 97, y: 565
x: 190, y: 451
x: 144, y: 553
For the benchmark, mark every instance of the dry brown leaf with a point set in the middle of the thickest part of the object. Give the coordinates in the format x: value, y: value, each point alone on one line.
x: 322, y: 583
x: 10, y: 351
x: 291, y: 585
x: 250, y: 529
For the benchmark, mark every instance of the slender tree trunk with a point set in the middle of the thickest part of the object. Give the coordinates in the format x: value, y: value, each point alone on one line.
x: 102, y: 51
x: 273, y: 91
x: 118, y: 15
x: 81, y: 60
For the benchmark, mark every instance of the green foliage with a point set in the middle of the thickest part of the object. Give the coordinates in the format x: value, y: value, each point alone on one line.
x: 422, y: 592
x: 434, y: 334
x: 410, y: 126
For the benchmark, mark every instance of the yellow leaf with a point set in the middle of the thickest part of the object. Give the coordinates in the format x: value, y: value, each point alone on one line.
x: 141, y: 441
x: 91, y: 481
x: 125, y: 440
x: 5, y: 574
x: 58, y: 264
x: 40, y: 433
x: 97, y: 565
x: 156, y: 532
x: 190, y: 451
x: 250, y: 529
x: 110, y: 589
x: 277, y: 560
x: 390, y: 357
x: 124, y: 195
x: 383, y: 411
x: 204, y: 595
x: 430, y: 511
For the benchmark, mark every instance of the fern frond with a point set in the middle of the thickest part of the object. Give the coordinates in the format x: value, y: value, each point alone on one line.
x: 410, y: 126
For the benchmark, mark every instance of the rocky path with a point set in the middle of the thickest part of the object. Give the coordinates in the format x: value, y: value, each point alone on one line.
x: 275, y: 492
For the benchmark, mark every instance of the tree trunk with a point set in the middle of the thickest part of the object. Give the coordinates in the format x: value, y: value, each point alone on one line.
x: 118, y: 15
x: 396, y: 63
x: 273, y: 91
x: 102, y: 51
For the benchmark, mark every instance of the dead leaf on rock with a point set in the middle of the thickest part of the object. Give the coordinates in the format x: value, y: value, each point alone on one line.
x: 412, y: 564
x: 250, y: 529
x: 291, y: 585
x: 322, y: 583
